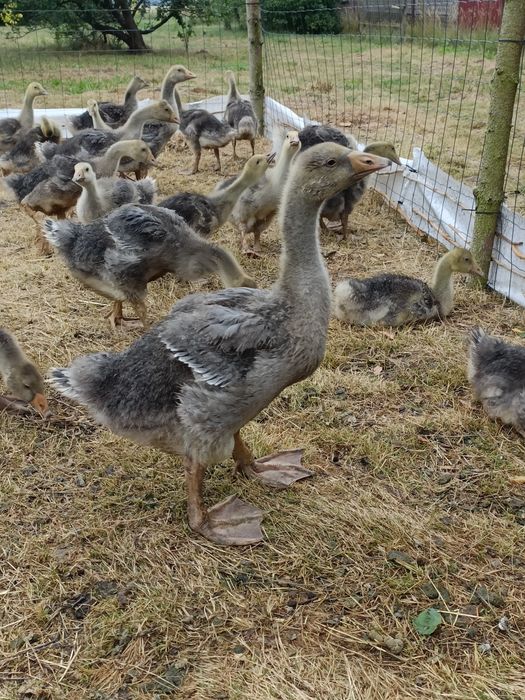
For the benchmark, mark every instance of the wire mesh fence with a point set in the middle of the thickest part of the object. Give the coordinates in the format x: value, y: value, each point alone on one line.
x: 423, y: 83
x: 416, y: 73
x: 75, y: 68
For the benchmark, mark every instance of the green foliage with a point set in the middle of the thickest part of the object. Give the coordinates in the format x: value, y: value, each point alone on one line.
x: 302, y: 16
x: 427, y: 622
x: 231, y: 13
x: 9, y: 15
x: 83, y: 22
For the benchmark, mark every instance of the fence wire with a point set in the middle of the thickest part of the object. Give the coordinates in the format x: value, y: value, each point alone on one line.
x: 414, y: 73
x: 77, y: 66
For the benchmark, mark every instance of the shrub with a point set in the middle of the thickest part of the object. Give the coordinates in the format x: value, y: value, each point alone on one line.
x: 301, y: 16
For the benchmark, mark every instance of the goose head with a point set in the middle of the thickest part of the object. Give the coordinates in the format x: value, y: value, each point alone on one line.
x: 462, y: 260
x: 136, y: 150
x: 21, y: 376
x: 83, y: 174
x: 383, y: 149
x: 92, y: 107
x: 27, y: 384
x: 255, y: 167
x: 328, y: 168
x: 291, y: 142
x: 138, y: 83
x: 160, y: 111
x: 35, y: 90
x: 180, y: 74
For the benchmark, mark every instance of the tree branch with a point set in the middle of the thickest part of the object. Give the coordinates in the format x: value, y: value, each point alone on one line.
x: 137, y: 7
x: 150, y: 30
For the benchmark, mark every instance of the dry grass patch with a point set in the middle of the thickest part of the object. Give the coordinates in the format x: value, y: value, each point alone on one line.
x: 105, y: 592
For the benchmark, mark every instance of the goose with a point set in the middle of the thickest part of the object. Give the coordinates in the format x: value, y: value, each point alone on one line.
x: 56, y: 174
x: 258, y: 204
x: 156, y: 134
x: 94, y: 112
x: 21, y: 377
x: 340, y: 207
x: 202, y: 130
x: 119, y: 254
x: 393, y: 300
x: 496, y: 370
x: 190, y: 384
x: 92, y: 142
x: 114, y: 115
x: 50, y: 189
x: 101, y: 196
x: 239, y: 115
x: 22, y: 157
x: 207, y: 213
x: 10, y: 127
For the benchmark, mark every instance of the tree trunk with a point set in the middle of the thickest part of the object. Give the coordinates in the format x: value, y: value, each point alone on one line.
x: 489, y: 192
x: 135, y: 42
x: 255, y: 43
x: 132, y: 35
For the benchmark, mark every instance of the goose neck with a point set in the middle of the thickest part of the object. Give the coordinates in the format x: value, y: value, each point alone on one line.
x: 178, y: 102
x: 109, y: 162
x: 277, y: 175
x: 442, y: 284
x: 303, y: 276
x: 26, y: 116
x: 10, y: 356
x: 233, y: 93
x: 133, y: 127
x: 167, y: 91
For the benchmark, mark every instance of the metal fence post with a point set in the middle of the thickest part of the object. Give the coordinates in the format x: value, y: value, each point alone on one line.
x: 255, y: 43
x: 489, y: 192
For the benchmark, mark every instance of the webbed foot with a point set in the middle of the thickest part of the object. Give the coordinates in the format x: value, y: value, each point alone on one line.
x: 278, y: 470
x: 232, y: 522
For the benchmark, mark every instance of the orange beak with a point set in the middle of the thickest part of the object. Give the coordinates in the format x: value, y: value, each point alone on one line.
x: 190, y: 75
x: 39, y: 402
x: 174, y: 119
x: 364, y: 164
x: 476, y: 270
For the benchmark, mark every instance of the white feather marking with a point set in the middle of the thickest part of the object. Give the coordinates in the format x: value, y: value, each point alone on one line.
x: 204, y: 374
x: 51, y: 231
x: 62, y: 383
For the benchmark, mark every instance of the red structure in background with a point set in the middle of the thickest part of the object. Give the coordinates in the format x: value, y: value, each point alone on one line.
x: 480, y: 13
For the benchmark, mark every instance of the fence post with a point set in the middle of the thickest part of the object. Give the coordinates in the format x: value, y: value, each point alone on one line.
x: 489, y: 192
x: 255, y: 43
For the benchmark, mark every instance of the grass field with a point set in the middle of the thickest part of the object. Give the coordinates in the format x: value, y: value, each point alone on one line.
x: 105, y: 594
x: 420, y: 92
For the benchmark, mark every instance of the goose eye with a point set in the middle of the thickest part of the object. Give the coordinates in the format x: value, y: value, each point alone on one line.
x: 331, y: 162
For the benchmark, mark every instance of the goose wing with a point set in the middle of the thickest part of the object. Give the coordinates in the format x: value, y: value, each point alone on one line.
x: 219, y: 336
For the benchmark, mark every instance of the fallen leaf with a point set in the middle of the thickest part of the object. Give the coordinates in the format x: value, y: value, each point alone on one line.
x: 377, y: 370
x: 519, y: 479
x: 427, y: 622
